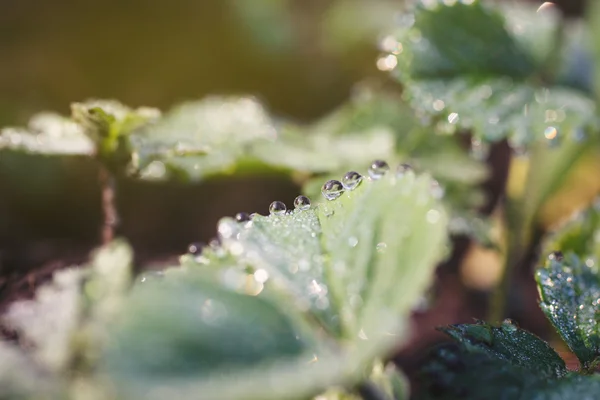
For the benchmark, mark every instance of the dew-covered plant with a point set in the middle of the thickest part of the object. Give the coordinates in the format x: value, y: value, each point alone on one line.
x: 311, y: 302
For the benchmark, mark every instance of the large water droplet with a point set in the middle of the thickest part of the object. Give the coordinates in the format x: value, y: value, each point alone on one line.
x: 261, y: 275
x: 556, y: 256
x: 332, y: 189
x: 352, y: 241
x: 403, y: 169
x: 242, y: 217
x: 277, y: 208
x: 302, y: 203
x: 377, y: 169
x: 351, y: 180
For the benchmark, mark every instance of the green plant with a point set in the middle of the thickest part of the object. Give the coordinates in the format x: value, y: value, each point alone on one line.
x: 313, y: 301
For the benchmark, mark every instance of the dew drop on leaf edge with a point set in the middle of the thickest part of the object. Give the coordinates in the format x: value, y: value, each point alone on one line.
x: 277, y: 208
x: 302, y: 203
x: 556, y: 256
x: 242, y: 217
x: 378, y: 168
x: 332, y: 189
x: 195, y: 248
x: 351, y: 180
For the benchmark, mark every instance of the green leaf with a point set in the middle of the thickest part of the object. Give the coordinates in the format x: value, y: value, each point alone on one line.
x: 48, y: 134
x: 226, y: 134
x: 580, y: 235
x: 510, y: 343
x: 570, y: 295
x: 466, y: 66
x: 456, y: 373
x: 296, y: 302
x: 461, y: 39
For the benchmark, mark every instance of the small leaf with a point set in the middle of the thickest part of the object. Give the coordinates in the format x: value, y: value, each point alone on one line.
x: 570, y: 298
x: 509, y: 342
x: 48, y: 134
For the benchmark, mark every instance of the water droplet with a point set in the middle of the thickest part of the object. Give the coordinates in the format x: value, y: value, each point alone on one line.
x: 302, y: 203
x: 403, y: 169
x: 352, y: 241
x: 242, y: 217
x: 381, y: 247
x: 437, y: 191
x: 351, y: 180
x: 195, y: 248
x: 261, y: 276
x: 453, y: 118
x: 227, y: 228
x: 439, y: 105
x: 556, y: 256
x: 332, y: 189
x: 378, y: 168
x: 551, y: 134
x: 432, y: 216
x: 277, y: 208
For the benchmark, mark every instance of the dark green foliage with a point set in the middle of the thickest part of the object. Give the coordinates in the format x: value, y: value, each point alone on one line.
x: 510, y: 343
x: 570, y: 298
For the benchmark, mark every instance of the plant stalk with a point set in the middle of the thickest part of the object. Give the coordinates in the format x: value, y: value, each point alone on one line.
x: 110, y: 216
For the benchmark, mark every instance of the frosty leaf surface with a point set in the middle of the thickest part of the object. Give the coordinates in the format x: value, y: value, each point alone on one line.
x: 570, y: 297
x: 510, y: 343
x: 305, y: 297
x: 47, y: 133
x: 486, y: 82
x: 457, y: 373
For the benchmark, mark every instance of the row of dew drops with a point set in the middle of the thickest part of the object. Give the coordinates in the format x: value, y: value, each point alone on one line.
x: 331, y: 190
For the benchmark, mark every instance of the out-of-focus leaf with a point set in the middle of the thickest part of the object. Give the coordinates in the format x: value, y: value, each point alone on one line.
x: 21, y: 378
x: 68, y: 317
x: 580, y: 235
x: 510, y: 343
x: 570, y: 295
x: 50, y: 320
x: 48, y: 134
x: 483, y: 81
x: 344, y: 274
x: 459, y: 373
x: 106, y: 120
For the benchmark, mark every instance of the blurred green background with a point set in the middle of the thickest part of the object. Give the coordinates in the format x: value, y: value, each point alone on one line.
x: 300, y: 57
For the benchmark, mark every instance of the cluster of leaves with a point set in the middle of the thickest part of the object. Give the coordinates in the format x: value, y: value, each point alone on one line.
x: 310, y: 301
x: 293, y: 302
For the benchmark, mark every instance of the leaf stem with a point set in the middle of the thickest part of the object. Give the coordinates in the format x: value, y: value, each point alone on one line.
x: 110, y: 215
